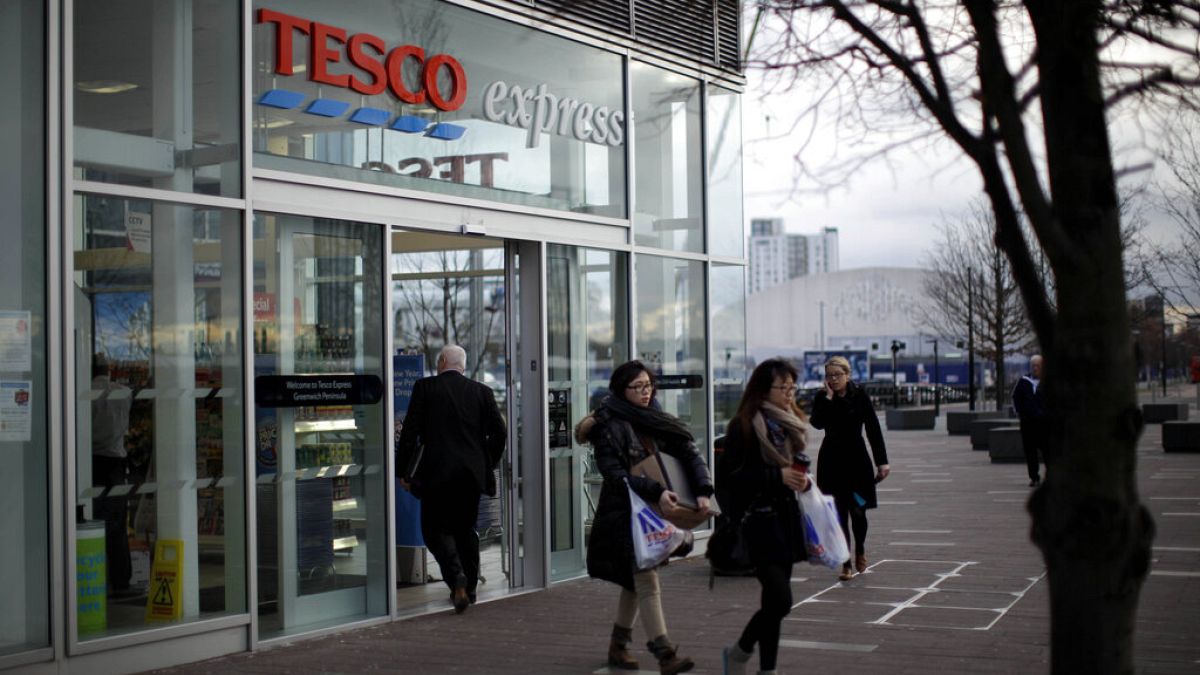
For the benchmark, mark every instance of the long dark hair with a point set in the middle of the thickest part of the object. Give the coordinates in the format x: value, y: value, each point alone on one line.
x: 759, y: 388
x: 627, y: 372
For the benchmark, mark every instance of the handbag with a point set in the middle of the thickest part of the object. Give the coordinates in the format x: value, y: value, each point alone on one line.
x: 669, y: 472
x: 727, y: 551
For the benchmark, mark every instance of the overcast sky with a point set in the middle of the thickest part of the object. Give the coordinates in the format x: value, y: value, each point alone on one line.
x: 885, y: 215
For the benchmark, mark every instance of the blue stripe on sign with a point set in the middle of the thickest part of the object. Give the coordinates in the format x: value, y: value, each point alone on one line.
x: 446, y: 132
x: 409, y: 124
x: 371, y: 116
x: 327, y: 107
x: 281, y: 98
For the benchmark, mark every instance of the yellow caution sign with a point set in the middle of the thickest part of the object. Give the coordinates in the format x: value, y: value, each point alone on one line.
x: 165, y: 599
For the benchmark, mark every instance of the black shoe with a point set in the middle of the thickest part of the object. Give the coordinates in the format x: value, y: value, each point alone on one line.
x: 460, y: 600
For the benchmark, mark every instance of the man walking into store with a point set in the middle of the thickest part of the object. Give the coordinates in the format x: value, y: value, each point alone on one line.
x: 452, y: 440
x: 1031, y: 409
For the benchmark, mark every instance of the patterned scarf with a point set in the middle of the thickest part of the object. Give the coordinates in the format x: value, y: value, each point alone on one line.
x: 793, y: 436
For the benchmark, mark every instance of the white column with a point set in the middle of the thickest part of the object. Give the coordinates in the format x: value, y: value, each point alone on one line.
x: 174, y: 363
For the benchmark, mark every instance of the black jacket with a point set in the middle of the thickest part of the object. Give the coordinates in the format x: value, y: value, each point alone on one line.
x: 459, y: 424
x: 843, y: 466
x: 755, y: 484
x: 617, y: 448
x: 1028, y: 402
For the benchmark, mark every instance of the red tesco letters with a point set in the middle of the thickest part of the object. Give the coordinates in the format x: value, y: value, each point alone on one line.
x: 378, y: 68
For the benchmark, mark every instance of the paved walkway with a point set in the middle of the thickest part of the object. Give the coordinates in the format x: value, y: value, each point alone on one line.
x: 955, y: 586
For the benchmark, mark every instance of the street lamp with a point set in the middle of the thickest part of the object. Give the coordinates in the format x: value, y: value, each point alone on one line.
x: 897, y: 347
x: 937, y: 386
x: 971, y: 338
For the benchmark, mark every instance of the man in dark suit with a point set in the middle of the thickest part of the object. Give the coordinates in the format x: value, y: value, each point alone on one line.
x: 1031, y: 409
x: 452, y: 440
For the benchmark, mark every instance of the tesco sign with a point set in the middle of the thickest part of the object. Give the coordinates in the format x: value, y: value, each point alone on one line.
x: 378, y: 66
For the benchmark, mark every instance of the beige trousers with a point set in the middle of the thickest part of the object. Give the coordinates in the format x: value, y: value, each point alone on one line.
x: 646, y: 600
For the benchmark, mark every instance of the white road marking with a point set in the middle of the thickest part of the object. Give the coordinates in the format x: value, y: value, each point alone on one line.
x: 920, y: 543
x: 922, y: 531
x: 1180, y: 549
x: 1007, y: 492
x: 1175, y: 499
x: 1179, y: 513
x: 933, y: 480
x: 827, y: 646
x: 889, y: 489
x: 881, y: 503
x: 1168, y: 573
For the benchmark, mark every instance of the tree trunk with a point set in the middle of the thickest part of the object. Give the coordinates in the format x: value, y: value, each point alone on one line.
x: 1093, y: 531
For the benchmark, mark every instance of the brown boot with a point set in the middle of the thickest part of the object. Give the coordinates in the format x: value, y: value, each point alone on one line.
x: 860, y: 563
x: 618, y: 649
x: 669, y: 660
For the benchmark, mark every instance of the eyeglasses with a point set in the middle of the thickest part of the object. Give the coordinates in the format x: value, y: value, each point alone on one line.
x: 790, y: 388
x: 643, y: 387
x: 835, y: 376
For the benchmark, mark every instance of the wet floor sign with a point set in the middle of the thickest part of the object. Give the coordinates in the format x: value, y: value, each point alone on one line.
x: 165, y: 599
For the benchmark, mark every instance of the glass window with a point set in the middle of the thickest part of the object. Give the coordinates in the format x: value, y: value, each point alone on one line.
x: 587, y: 303
x: 159, y: 452
x: 730, y: 366
x: 670, y: 334
x: 666, y: 114
x: 319, y: 479
x: 158, y: 94
x: 438, y: 98
x: 24, y: 504
x: 724, y: 125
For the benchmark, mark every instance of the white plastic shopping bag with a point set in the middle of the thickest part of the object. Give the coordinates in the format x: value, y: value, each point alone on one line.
x: 822, y: 534
x: 653, y: 537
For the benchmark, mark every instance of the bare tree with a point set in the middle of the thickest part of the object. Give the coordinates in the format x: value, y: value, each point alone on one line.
x: 1024, y: 91
x: 966, y: 267
x: 1174, y: 268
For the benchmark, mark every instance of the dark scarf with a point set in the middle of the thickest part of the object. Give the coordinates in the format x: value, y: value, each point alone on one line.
x: 647, y: 420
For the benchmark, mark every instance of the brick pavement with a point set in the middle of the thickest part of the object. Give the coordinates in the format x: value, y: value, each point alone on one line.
x: 954, y: 586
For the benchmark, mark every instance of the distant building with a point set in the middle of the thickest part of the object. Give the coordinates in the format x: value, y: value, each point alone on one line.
x: 777, y: 257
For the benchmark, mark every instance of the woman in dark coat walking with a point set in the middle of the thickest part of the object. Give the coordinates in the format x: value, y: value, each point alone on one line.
x: 844, y: 469
x: 765, y: 464
x: 623, y: 431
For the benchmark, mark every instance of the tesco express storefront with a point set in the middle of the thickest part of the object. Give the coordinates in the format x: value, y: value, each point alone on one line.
x: 234, y: 235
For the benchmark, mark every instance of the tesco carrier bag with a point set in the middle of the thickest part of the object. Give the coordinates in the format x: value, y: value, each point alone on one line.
x: 653, y: 537
x: 822, y: 535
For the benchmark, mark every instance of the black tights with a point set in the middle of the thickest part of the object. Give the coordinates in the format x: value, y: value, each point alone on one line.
x: 763, y: 629
x: 850, y: 513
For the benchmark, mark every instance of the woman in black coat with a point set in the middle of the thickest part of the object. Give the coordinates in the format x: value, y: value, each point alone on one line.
x: 844, y: 469
x: 764, y: 463
x: 626, y: 429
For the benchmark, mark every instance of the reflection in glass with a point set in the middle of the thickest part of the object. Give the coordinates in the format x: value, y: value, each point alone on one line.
x: 157, y: 325
x: 157, y: 94
x: 666, y: 111
x: 24, y: 503
x: 670, y: 333
x: 541, y: 124
x: 724, y: 125
x: 319, y: 468
x: 730, y: 365
x: 588, y: 336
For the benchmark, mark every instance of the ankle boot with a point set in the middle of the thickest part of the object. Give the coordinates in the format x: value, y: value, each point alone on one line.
x: 734, y: 660
x: 669, y: 661
x: 618, y: 649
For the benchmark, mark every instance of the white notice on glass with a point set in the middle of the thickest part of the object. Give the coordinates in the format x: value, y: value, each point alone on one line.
x: 16, y: 410
x: 15, y: 354
x: 137, y: 231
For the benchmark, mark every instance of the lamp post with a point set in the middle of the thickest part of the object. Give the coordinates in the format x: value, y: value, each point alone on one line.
x: 937, y: 384
x: 897, y: 345
x: 1162, y: 302
x: 971, y: 338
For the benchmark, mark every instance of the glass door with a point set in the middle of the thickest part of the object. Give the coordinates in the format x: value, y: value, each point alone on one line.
x: 587, y: 336
x: 449, y: 289
x: 320, y: 418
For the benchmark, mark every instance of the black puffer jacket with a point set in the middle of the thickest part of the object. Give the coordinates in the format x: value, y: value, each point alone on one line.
x: 617, y: 448
x: 758, y: 485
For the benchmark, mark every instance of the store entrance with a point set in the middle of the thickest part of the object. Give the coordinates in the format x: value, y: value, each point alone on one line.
x: 448, y: 289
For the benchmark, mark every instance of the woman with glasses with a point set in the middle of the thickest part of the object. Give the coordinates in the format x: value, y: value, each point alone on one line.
x: 765, y: 465
x: 844, y: 469
x: 626, y: 428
